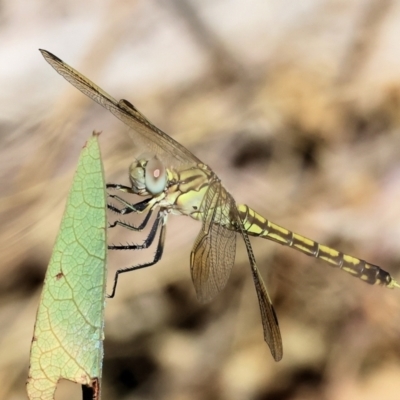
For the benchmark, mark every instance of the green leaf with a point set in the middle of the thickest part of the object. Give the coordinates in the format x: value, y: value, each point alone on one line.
x: 68, y: 336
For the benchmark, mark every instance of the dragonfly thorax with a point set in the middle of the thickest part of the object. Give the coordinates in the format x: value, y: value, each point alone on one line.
x: 148, y: 176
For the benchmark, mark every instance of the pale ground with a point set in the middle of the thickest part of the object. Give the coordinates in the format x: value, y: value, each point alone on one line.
x: 295, y: 106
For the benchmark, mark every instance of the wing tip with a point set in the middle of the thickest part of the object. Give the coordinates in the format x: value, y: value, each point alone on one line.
x: 277, y: 354
x: 47, y: 55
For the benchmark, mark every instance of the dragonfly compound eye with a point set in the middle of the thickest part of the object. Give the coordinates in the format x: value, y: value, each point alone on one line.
x: 155, y: 176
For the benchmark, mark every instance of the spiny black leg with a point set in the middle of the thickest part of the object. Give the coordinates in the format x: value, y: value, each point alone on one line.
x: 147, y: 242
x: 141, y: 205
x: 137, y: 208
x: 161, y: 219
x: 131, y: 227
x: 123, y: 188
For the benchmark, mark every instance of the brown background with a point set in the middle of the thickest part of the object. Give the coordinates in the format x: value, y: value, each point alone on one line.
x: 296, y: 106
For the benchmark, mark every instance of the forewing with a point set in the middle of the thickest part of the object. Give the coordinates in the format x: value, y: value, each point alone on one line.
x: 272, y: 334
x: 155, y: 140
x: 213, y: 253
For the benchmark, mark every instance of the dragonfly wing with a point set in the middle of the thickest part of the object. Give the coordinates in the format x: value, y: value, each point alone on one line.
x: 155, y: 140
x: 272, y: 334
x: 213, y: 253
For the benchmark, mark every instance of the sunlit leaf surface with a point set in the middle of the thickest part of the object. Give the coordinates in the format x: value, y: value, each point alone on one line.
x: 68, y: 336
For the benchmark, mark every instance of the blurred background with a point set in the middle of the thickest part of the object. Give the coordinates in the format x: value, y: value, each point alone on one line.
x: 296, y: 106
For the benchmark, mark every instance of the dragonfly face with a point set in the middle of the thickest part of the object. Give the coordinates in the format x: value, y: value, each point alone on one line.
x: 148, y: 177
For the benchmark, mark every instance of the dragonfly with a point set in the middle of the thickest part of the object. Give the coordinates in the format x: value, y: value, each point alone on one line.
x: 172, y: 180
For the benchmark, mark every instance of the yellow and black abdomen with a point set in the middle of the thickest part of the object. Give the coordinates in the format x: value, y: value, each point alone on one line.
x: 256, y: 225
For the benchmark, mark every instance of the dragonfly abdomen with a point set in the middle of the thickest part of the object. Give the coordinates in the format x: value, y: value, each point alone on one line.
x: 256, y: 225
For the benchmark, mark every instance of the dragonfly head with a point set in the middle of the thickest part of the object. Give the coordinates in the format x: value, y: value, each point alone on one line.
x: 148, y: 176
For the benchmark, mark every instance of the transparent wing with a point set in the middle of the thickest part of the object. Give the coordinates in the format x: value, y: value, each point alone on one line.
x: 272, y: 333
x: 213, y: 256
x: 158, y: 142
x: 213, y: 253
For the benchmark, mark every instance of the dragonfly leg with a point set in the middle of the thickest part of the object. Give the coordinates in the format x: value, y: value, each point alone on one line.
x: 131, y: 227
x: 139, y: 207
x: 120, y: 187
x: 161, y: 220
x: 147, y: 242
